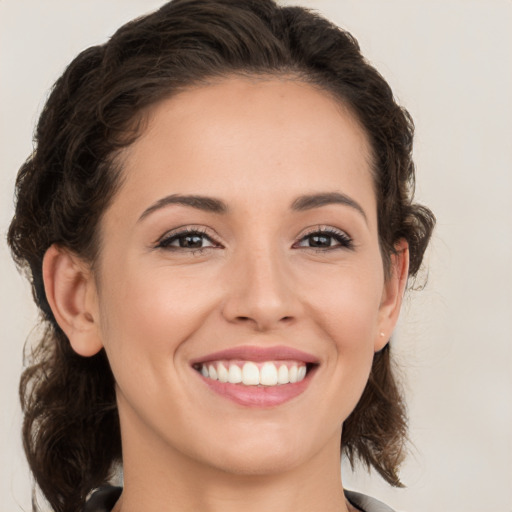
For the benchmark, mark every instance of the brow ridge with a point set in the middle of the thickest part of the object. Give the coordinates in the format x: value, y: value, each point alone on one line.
x: 310, y: 201
x: 207, y: 204
x: 211, y: 204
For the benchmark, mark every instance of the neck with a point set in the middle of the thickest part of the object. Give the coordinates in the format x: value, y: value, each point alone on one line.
x: 159, y: 478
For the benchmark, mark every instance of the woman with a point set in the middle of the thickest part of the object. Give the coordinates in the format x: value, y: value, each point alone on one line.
x: 218, y: 225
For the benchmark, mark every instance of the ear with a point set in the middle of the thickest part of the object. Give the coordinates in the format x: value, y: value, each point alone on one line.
x: 71, y: 292
x: 392, y: 294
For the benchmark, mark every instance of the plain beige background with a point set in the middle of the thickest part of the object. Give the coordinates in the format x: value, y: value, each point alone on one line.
x: 450, y: 63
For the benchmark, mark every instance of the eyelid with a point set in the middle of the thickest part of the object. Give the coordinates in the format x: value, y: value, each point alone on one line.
x: 187, y: 229
x: 346, y: 240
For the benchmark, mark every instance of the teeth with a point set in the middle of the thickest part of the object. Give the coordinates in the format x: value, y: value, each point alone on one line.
x: 235, y: 374
x: 250, y: 374
x: 212, y: 372
x: 268, y: 375
x: 222, y: 373
x: 253, y: 374
x: 282, y: 375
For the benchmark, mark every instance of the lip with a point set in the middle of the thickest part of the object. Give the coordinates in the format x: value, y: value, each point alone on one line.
x: 259, y: 396
x: 259, y: 354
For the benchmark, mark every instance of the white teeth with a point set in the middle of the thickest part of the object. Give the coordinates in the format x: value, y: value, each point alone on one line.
x: 282, y: 375
x: 253, y: 374
x: 235, y: 374
x: 250, y: 374
x: 222, y: 373
x: 268, y: 374
x: 212, y: 372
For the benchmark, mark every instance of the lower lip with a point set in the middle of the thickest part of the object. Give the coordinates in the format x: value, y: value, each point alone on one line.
x: 259, y: 396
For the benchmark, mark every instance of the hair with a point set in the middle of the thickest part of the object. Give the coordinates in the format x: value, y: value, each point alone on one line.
x: 71, y: 427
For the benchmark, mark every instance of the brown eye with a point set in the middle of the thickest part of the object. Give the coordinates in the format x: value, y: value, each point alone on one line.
x: 190, y: 241
x: 186, y: 240
x: 326, y: 239
x: 321, y: 241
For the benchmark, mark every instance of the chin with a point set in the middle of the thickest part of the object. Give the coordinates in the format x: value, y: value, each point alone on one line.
x: 260, y: 456
x: 258, y: 464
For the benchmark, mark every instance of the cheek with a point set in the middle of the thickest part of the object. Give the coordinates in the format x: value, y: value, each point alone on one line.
x: 152, y: 311
x: 345, y: 302
x: 345, y: 310
x: 148, y: 315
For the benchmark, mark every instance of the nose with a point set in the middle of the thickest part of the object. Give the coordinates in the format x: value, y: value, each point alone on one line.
x: 261, y: 291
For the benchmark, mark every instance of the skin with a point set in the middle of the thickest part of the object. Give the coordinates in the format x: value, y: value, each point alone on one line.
x: 257, y: 145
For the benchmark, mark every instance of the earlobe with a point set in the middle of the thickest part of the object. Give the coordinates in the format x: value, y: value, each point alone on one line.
x: 71, y: 293
x: 393, y: 292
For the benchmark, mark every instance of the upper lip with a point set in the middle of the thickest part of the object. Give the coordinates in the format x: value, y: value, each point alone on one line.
x: 259, y: 354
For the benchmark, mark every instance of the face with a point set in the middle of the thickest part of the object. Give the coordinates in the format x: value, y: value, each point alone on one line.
x: 242, y: 245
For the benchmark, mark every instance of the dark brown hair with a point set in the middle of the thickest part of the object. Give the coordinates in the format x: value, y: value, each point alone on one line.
x: 71, y: 425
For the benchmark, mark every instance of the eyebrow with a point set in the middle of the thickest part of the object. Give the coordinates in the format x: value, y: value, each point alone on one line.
x: 311, y: 201
x: 207, y: 204
x: 213, y: 205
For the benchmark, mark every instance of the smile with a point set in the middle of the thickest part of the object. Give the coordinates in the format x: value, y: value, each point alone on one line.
x: 257, y: 376
x: 250, y: 373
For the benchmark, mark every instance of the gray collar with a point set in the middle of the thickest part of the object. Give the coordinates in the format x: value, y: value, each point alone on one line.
x: 365, y: 503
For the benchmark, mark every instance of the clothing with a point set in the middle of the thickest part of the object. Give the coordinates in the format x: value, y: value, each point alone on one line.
x: 366, y: 503
x: 104, y: 499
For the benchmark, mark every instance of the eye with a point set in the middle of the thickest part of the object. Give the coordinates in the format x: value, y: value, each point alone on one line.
x: 325, y: 239
x: 189, y: 239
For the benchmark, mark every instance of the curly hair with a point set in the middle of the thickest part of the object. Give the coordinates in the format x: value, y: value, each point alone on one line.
x: 71, y: 428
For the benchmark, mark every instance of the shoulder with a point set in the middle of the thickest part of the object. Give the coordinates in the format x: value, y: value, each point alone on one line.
x: 103, y: 499
x: 366, y: 503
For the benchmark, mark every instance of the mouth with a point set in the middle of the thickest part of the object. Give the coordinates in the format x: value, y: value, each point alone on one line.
x: 255, y: 376
x: 252, y: 373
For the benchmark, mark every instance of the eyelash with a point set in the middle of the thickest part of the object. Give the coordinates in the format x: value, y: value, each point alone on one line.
x: 166, y: 241
x: 343, y: 240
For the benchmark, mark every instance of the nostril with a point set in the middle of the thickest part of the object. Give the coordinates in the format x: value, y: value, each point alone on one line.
x: 247, y: 318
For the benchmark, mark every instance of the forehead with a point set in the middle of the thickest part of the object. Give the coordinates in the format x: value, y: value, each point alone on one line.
x: 244, y: 138
x: 259, y: 101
